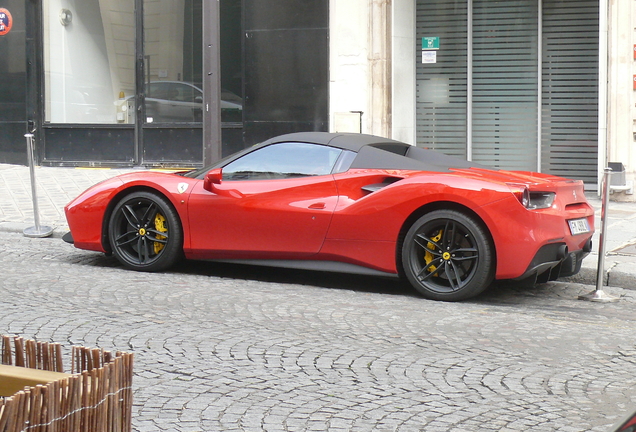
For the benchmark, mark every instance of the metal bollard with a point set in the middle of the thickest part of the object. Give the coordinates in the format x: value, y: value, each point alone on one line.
x: 36, y: 231
x: 599, y: 295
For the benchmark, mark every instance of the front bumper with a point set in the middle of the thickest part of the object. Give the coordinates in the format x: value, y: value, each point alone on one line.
x: 68, y: 238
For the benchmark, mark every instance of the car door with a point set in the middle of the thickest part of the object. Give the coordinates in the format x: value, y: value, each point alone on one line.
x: 276, y: 202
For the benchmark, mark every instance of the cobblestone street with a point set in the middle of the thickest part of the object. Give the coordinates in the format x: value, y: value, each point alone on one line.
x: 229, y: 348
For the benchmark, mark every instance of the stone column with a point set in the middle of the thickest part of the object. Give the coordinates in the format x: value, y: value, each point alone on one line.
x: 380, y: 108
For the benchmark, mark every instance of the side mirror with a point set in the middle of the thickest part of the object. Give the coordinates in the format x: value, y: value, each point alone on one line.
x: 213, y: 177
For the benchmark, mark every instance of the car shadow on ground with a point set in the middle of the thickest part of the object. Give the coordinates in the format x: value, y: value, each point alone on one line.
x: 502, y: 293
x: 361, y: 283
x: 499, y: 293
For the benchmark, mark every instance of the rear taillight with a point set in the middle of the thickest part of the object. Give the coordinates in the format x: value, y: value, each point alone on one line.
x: 532, y: 200
x: 522, y: 193
x: 541, y: 200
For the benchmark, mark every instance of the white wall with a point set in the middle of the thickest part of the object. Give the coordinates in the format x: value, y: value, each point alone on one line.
x: 372, y: 67
x: 348, y: 62
x: 404, y: 93
x: 118, y: 17
x: 621, y: 124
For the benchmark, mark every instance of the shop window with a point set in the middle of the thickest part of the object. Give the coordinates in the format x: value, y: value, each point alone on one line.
x: 89, y: 53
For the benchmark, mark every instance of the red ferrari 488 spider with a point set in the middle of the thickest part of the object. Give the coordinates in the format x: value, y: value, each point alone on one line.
x: 345, y: 203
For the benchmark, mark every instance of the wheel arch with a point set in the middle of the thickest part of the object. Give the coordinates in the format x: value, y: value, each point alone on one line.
x: 115, y: 200
x: 439, y: 205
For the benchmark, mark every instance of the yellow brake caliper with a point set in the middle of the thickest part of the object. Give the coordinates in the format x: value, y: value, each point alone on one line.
x: 428, y: 257
x: 160, y: 225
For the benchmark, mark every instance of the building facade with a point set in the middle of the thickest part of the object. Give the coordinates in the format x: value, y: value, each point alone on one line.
x: 537, y: 85
x: 527, y: 85
x: 160, y: 82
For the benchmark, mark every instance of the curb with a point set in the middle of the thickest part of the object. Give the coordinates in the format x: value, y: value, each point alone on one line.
x: 618, y: 272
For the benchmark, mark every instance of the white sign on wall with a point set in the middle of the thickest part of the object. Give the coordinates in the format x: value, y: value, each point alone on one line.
x: 429, y: 56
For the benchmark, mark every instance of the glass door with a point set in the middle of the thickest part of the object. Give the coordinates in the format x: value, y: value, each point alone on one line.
x: 442, y: 95
x: 171, y: 93
x: 123, y: 81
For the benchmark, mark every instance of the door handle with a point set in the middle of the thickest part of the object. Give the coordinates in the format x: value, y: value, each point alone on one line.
x: 318, y: 206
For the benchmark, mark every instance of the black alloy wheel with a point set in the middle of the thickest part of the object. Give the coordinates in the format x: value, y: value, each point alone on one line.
x: 145, y: 232
x: 447, y: 255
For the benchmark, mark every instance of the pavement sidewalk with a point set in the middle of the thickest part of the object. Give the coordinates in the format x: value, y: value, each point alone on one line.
x: 56, y: 186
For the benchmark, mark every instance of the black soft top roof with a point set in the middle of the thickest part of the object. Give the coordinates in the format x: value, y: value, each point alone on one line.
x: 379, y: 153
x: 346, y: 141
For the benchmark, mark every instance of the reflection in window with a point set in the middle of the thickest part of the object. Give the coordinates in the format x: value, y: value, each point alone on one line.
x: 173, y: 61
x: 173, y: 101
x: 286, y: 160
x: 89, y: 59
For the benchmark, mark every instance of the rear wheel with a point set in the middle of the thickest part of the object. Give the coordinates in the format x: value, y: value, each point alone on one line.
x: 145, y: 232
x: 447, y: 255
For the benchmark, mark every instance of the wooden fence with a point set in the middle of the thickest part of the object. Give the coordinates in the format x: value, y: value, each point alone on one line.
x: 96, y: 397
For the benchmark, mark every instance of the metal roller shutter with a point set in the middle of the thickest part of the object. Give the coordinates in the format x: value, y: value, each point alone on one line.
x: 570, y: 89
x: 441, y: 86
x: 506, y: 87
x: 505, y: 83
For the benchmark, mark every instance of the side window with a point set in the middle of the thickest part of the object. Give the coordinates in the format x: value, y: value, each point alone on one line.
x: 186, y: 93
x: 281, y: 161
x: 344, y: 161
x: 158, y: 90
x: 151, y: 90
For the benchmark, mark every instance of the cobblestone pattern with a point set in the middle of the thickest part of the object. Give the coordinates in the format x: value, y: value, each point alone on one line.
x: 229, y: 348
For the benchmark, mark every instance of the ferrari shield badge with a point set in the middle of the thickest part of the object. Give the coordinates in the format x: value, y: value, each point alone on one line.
x: 182, y: 187
x: 6, y: 21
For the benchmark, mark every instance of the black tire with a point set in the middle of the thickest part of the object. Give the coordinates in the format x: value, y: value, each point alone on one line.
x: 145, y: 232
x: 447, y: 255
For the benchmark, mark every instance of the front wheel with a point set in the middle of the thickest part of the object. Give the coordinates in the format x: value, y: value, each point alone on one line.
x: 145, y: 233
x: 447, y: 255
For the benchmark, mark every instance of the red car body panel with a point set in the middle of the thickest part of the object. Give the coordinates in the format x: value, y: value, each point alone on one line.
x: 343, y: 217
x: 87, y: 215
x: 278, y: 218
x: 384, y: 212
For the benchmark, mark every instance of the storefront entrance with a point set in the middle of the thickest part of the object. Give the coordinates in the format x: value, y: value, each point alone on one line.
x: 137, y: 82
x: 123, y: 81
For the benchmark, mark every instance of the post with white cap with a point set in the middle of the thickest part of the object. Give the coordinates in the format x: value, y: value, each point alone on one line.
x: 599, y: 295
x: 36, y: 231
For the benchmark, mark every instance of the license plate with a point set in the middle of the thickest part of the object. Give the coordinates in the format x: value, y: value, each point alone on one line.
x: 579, y: 226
